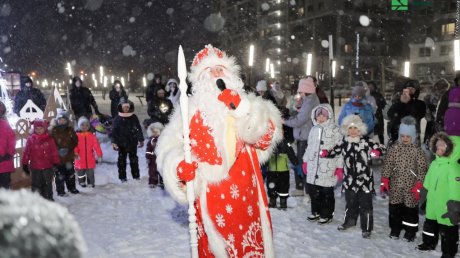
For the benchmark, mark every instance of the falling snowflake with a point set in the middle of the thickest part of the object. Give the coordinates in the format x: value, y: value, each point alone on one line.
x: 220, y: 220
x: 235, y: 193
x: 229, y: 209
x: 250, y: 210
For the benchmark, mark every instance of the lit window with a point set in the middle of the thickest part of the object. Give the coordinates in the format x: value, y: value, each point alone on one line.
x: 445, y: 50
x: 448, y: 29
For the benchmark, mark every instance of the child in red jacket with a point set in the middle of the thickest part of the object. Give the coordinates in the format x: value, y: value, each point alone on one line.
x: 7, y: 149
x: 153, y: 131
x: 87, y: 150
x: 39, y: 159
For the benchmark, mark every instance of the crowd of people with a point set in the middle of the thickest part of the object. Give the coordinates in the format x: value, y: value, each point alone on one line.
x: 327, y: 153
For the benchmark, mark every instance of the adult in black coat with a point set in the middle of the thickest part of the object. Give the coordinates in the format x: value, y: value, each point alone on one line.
x: 126, y: 138
x: 160, y: 108
x: 81, y: 100
x: 28, y: 92
x: 381, y: 103
x: 116, y: 93
x: 407, y: 105
x: 150, y: 93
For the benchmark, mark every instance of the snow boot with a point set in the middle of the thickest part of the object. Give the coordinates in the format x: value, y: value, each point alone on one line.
x: 324, y: 221
x: 313, y: 217
x: 272, y: 203
x: 424, y: 247
x: 394, y: 234
x: 283, y: 203
x: 344, y: 227
x: 366, y: 234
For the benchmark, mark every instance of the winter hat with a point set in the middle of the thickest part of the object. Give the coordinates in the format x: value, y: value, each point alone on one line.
x: 407, y: 127
x: 31, y: 226
x: 358, y: 90
x: 209, y: 57
x: 2, y: 110
x: 451, y: 117
x: 26, y: 79
x: 261, y: 85
x: 307, y: 85
x: 353, y: 121
x: 155, y: 129
x: 81, y: 121
x: 321, y: 111
x: 62, y: 113
x: 40, y: 123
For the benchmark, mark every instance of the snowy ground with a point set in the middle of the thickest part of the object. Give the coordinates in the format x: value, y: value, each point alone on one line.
x: 132, y: 220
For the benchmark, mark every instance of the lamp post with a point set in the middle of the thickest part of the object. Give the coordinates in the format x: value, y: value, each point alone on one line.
x: 333, y: 69
x: 407, y: 69
x: 456, y: 55
x: 250, y: 62
x: 309, y: 60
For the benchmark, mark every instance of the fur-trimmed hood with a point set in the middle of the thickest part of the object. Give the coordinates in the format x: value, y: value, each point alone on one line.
x: 353, y: 120
x: 441, y: 136
x: 328, y: 108
x: 154, y: 129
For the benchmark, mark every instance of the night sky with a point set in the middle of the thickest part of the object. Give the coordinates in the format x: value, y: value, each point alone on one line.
x: 143, y: 35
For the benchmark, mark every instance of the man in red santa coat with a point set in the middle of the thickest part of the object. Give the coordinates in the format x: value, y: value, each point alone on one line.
x: 231, y: 132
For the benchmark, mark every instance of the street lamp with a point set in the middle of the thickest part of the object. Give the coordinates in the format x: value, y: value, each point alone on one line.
x: 309, y: 60
x: 101, y: 74
x: 267, y: 65
x: 144, y: 81
x: 407, y: 69
x: 251, y: 61
x: 272, y: 71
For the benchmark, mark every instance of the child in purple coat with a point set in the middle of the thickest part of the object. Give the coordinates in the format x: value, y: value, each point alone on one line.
x: 153, y: 131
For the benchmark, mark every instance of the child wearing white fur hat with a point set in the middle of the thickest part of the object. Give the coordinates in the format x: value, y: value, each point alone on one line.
x: 153, y: 132
x: 358, y: 179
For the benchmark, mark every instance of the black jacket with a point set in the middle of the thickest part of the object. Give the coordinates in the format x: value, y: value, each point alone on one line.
x: 414, y: 107
x: 81, y: 100
x: 115, y: 100
x: 126, y: 130
x: 151, y: 92
x: 27, y: 93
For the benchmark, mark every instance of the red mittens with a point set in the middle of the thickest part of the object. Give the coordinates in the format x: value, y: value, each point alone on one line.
x: 323, y: 153
x: 339, y: 174
x: 186, y: 171
x: 230, y: 98
x: 304, y: 168
x: 375, y: 153
x: 384, y: 185
x: 416, y: 190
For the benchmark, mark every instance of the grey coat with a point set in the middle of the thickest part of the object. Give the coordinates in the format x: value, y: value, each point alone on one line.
x: 301, y: 122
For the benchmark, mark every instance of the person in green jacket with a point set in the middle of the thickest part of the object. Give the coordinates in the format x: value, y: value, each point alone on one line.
x: 278, y: 173
x: 442, y: 184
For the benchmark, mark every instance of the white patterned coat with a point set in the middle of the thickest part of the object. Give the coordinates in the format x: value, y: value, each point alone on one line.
x: 322, y: 136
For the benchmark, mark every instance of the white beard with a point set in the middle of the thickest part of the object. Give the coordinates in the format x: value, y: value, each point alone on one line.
x: 205, y: 94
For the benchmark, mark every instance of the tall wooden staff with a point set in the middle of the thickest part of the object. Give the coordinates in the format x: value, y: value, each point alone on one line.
x: 182, y: 71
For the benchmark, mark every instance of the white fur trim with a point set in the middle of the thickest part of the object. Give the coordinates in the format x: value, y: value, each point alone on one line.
x: 215, y: 239
x: 356, y: 121
x: 254, y: 124
x: 242, y: 109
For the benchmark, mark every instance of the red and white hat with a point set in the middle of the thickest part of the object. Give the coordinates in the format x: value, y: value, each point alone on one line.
x: 209, y: 57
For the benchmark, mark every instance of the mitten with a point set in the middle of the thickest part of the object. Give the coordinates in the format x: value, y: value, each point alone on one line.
x: 339, y: 174
x: 384, y: 185
x: 323, y: 153
x: 25, y: 168
x: 453, y: 211
x: 304, y: 168
x: 114, y: 147
x: 230, y: 98
x: 416, y: 190
x: 140, y: 145
x: 186, y: 171
x: 375, y: 153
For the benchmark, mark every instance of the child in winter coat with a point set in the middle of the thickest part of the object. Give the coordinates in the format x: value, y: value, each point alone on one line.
x: 153, y: 132
x: 126, y: 138
x: 7, y: 149
x: 278, y: 173
x: 442, y: 183
x: 358, y: 182
x: 322, y: 174
x: 403, y: 172
x: 39, y: 159
x: 66, y: 140
x: 86, y: 152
